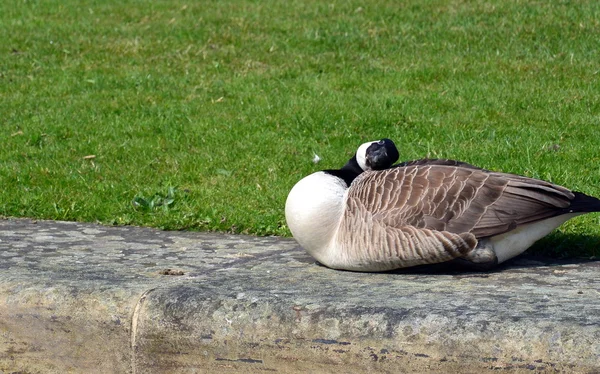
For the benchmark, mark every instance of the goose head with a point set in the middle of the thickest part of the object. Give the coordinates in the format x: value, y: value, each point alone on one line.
x: 378, y: 155
x: 374, y: 155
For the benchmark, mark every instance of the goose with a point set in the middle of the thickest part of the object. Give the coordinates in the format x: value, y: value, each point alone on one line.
x: 372, y: 216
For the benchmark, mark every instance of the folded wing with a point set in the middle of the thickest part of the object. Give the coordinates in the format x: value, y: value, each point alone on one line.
x: 457, y: 199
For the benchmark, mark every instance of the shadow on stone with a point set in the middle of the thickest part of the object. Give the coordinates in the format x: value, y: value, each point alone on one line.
x: 549, y: 251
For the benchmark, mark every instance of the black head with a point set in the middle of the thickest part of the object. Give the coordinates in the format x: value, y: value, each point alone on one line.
x: 377, y: 155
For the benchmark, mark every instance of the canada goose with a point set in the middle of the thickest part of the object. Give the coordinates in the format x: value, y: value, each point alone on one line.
x: 422, y: 212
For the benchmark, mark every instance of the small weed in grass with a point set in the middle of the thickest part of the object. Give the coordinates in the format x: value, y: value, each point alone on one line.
x: 165, y: 202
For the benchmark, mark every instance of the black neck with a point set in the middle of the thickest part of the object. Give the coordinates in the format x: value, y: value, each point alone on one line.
x: 352, y: 166
x: 348, y: 172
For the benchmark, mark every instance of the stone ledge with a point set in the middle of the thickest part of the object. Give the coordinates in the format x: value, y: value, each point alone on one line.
x: 88, y: 298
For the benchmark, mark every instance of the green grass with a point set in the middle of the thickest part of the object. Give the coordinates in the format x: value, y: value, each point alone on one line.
x: 202, y: 115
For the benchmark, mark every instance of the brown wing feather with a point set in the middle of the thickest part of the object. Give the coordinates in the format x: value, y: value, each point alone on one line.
x: 457, y: 199
x: 367, y: 243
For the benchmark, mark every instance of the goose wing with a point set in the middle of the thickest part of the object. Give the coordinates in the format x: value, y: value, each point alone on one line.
x: 457, y: 199
x: 428, y: 213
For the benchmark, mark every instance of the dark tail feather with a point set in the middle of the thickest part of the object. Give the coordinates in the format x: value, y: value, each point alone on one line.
x: 584, y: 203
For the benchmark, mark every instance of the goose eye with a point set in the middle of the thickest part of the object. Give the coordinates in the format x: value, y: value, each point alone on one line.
x: 381, y: 142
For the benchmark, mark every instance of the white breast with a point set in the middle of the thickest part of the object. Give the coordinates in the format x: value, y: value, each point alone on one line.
x: 313, y: 211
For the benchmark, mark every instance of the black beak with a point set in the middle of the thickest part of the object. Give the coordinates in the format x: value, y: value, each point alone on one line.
x: 378, y: 159
x: 381, y: 155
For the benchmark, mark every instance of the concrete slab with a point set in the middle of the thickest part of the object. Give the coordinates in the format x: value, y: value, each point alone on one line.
x: 94, y: 299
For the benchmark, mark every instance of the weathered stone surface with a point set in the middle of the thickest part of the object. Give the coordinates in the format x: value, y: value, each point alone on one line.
x: 87, y: 298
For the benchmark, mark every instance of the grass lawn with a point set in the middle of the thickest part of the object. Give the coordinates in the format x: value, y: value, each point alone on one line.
x: 202, y: 115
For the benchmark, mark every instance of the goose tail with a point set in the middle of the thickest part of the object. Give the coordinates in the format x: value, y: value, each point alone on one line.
x: 583, y: 203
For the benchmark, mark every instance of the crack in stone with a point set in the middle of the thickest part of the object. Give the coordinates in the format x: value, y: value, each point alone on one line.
x: 134, y: 327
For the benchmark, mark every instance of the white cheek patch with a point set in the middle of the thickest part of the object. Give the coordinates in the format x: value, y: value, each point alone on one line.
x: 361, y: 155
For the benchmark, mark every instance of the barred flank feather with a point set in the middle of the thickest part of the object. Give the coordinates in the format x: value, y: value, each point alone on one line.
x: 429, y: 213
